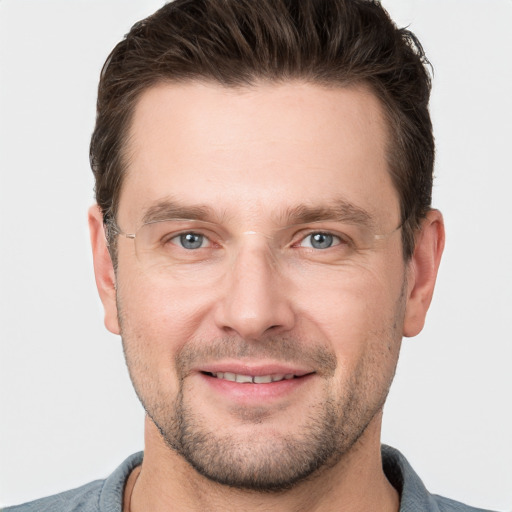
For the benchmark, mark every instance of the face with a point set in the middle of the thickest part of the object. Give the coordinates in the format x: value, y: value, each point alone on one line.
x: 262, y: 324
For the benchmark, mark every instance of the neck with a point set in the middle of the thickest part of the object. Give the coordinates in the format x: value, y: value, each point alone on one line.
x: 355, y: 483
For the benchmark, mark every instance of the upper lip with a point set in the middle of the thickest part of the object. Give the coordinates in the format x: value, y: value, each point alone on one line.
x: 256, y: 369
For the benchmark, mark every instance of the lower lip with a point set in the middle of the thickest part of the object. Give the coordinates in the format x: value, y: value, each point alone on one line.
x: 248, y: 392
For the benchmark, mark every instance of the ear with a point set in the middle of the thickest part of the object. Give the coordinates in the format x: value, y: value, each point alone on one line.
x: 422, y: 271
x: 103, y: 269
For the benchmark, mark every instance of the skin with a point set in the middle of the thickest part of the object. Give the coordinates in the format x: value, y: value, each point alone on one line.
x: 258, y: 300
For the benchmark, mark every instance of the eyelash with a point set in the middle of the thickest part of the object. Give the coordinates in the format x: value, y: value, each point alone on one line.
x: 179, y: 235
x: 337, y: 240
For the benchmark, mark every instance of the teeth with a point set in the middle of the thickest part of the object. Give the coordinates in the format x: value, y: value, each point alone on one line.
x: 262, y: 379
x: 258, y: 379
x: 243, y: 378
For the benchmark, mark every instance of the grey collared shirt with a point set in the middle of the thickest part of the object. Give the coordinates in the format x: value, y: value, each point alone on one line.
x: 107, y: 495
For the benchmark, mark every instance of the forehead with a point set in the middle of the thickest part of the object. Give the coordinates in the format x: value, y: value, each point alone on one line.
x: 257, y: 149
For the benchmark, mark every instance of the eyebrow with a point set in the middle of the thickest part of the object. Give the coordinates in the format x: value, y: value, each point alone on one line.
x: 339, y: 210
x: 168, y: 208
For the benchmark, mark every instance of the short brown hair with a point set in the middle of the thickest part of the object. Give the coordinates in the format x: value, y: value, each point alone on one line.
x: 237, y: 42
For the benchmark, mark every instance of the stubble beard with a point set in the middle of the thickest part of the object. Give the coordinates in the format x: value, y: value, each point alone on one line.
x: 257, y: 462
x: 266, y: 463
x: 275, y: 463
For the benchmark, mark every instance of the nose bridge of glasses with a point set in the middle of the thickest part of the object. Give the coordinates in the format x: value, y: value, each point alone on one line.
x: 256, y: 239
x: 249, y: 233
x: 255, y: 252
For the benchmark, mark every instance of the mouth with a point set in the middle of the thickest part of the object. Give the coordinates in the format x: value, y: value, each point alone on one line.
x: 253, y: 379
x: 254, y: 385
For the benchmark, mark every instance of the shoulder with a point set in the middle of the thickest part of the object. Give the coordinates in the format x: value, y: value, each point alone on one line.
x: 83, y: 499
x: 447, y: 505
x: 414, y: 497
x: 98, y: 496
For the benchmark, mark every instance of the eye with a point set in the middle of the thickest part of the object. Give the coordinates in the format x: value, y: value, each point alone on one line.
x: 320, y: 240
x: 190, y: 241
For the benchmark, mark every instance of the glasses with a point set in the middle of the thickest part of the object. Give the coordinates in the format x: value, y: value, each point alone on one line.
x: 184, y: 245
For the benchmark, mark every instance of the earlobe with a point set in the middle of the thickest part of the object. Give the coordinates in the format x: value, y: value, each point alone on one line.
x: 422, y: 272
x: 103, y: 269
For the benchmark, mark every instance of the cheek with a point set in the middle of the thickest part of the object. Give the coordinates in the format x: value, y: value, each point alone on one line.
x: 356, y: 312
x: 363, y: 328
x: 156, y: 321
x: 159, y: 316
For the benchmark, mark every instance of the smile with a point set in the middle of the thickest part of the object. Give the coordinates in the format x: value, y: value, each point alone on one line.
x: 252, y: 379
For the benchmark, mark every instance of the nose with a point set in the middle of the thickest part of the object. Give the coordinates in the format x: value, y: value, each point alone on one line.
x: 255, y: 299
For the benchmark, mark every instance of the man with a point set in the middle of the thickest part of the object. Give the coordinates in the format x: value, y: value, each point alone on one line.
x: 263, y: 240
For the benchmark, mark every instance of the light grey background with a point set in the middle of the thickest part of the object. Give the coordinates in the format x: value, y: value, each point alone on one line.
x: 68, y: 412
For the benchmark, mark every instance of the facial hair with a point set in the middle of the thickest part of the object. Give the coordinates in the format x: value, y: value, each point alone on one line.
x: 272, y: 461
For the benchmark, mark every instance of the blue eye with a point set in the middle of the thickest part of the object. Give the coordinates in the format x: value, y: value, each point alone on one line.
x: 320, y: 240
x: 190, y: 241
